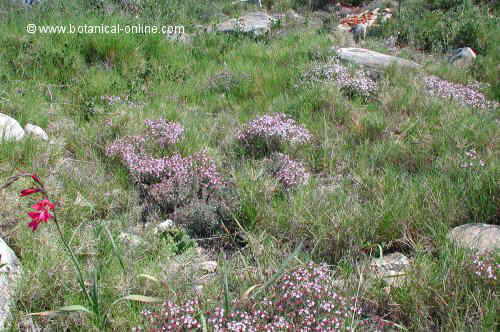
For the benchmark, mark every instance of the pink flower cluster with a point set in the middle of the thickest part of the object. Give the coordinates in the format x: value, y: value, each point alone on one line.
x: 181, y: 175
x: 466, y: 95
x: 168, y: 177
x: 165, y: 132
x: 485, y: 267
x: 290, y: 173
x: 353, y: 85
x: 305, y: 299
x: 272, y: 130
x: 175, y: 317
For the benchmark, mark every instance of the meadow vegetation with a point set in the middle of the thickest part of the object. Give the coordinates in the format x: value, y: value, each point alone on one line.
x: 289, y: 169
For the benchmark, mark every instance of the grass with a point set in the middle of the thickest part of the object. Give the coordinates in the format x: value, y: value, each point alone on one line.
x: 385, y: 172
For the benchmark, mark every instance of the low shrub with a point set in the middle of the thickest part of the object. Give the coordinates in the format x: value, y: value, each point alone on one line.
x: 189, y: 188
x: 269, y: 133
x: 304, y: 299
x: 288, y: 172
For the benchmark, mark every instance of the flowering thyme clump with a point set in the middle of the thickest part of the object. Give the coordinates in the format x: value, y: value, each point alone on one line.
x: 358, y: 84
x: 304, y: 299
x: 485, y: 267
x: 288, y: 172
x: 270, y: 131
x: 463, y: 94
x: 173, y: 182
x: 165, y: 132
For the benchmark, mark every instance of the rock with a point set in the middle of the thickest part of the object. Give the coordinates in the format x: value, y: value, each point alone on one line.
x: 391, y: 268
x: 131, y: 240
x: 372, y: 59
x: 208, y: 266
x: 10, y: 129
x: 479, y: 237
x: 36, y: 131
x: 257, y: 23
x: 10, y: 270
x: 164, y: 226
x: 179, y: 37
x: 463, y: 57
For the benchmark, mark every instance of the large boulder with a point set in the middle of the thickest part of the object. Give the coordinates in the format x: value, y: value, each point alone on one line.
x: 372, y: 59
x: 10, y: 129
x: 463, y: 57
x: 482, y: 238
x: 10, y: 270
x: 256, y: 23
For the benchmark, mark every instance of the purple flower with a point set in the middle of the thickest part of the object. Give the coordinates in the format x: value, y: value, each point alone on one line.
x: 465, y: 95
x: 271, y: 131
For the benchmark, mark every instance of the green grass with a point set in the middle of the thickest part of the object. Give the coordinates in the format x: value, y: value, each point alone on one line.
x: 386, y: 172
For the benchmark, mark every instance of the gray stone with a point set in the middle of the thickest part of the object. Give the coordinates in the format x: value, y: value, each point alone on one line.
x: 256, y: 23
x: 208, y: 266
x: 164, y: 226
x: 10, y: 129
x: 179, y: 37
x: 130, y: 239
x: 36, y: 131
x: 463, y: 57
x: 392, y: 268
x: 372, y: 59
x: 10, y: 270
x: 478, y: 237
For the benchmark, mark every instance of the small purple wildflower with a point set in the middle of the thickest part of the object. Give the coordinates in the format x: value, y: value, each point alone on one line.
x: 466, y: 95
x: 485, y: 268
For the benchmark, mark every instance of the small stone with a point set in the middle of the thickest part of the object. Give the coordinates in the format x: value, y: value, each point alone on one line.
x: 482, y: 238
x: 392, y: 268
x: 10, y: 129
x: 36, y: 131
x: 130, y: 239
x: 463, y: 57
x: 208, y: 266
x: 164, y: 226
x: 257, y: 23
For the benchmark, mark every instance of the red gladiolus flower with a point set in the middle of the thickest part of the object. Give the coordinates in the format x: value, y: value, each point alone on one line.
x: 43, y: 205
x: 34, y: 177
x: 30, y: 191
x: 38, y: 217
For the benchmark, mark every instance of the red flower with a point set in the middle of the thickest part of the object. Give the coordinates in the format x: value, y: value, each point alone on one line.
x: 36, y: 178
x: 30, y: 191
x: 43, y: 205
x: 38, y: 217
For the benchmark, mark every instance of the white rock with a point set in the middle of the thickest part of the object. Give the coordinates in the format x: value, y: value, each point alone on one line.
x: 9, y: 274
x: 478, y: 237
x: 463, y: 57
x: 131, y: 240
x: 257, y: 23
x: 373, y: 59
x: 36, y: 131
x: 392, y: 268
x: 10, y: 129
x: 164, y: 226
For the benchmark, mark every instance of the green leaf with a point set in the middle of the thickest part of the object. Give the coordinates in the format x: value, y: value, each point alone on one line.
x: 139, y: 298
x: 65, y: 309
